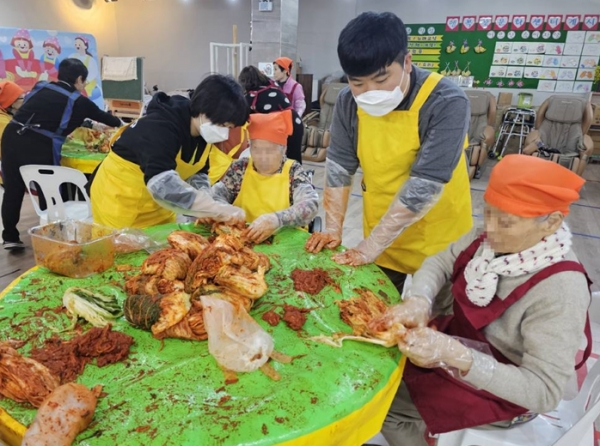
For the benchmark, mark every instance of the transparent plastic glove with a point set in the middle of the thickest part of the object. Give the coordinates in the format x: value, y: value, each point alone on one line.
x: 412, y: 313
x: 262, y: 228
x: 335, y: 202
x: 414, y: 200
x: 235, y: 340
x: 429, y: 348
x: 338, y: 184
x: 199, y: 181
x: 171, y: 192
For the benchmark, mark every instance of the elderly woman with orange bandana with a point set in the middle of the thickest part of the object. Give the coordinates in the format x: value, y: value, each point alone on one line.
x: 513, y: 299
x: 273, y: 191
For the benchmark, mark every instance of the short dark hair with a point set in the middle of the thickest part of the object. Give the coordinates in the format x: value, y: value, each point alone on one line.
x: 252, y: 78
x: 221, y: 99
x: 70, y: 69
x: 370, y: 42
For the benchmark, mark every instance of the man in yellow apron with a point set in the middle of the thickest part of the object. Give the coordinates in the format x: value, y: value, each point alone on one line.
x: 158, y: 165
x: 406, y: 128
x: 272, y: 190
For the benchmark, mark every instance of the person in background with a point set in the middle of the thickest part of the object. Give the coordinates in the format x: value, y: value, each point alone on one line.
x: 273, y: 191
x: 11, y: 99
x: 222, y: 154
x: 282, y: 73
x: 264, y: 96
x: 513, y: 299
x: 50, y: 112
x: 157, y: 167
x: 406, y: 128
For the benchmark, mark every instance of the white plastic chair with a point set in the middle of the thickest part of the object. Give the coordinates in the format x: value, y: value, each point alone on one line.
x: 49, y: 179
x: 570, y: 424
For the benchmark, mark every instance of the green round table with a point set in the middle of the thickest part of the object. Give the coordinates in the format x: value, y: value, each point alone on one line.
x: 75, y: 155
x: 176, y: 395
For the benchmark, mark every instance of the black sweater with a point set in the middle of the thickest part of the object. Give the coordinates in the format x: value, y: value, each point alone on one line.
x: 47, y: 107
x: 154, y: 141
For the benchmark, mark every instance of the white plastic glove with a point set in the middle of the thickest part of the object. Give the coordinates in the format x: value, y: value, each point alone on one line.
x: 204, y: 206
x: 412, y: 202
x: 335, y: 202
x: 412, y: 313
x: 262, y: 228
x: 171, y: 192
x: 429, y: 348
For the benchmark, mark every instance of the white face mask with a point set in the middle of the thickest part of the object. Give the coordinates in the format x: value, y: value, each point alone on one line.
x: 212, y: 133
x: 380, y: 102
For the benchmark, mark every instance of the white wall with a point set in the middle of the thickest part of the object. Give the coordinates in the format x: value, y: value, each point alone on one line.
x: 174, y: 36
x: 321, y: 21
x: 64, y: 15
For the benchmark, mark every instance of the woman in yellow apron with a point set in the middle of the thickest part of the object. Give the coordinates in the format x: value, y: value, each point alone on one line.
x: 406, y: 128
x: 158, y: 164
x: 272, y: 190
x: 223, y: 154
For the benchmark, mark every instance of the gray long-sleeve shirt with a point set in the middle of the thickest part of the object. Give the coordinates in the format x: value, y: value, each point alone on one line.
x: 443, y: 124
x: 541, y: 333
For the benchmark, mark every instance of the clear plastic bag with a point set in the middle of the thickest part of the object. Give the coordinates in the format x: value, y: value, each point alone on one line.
x: 235, y: 340
x: 131, y: 240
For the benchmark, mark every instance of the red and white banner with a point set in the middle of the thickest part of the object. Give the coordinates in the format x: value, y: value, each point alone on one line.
x: 536, y: 22
x: 484, y: 23
x: 469, y: 22
x: 452, y: 23
x: 501, y: 22
x: 518, y: 22
x: 590, y: 22
x: 553, y: 22
x: 572, y: 22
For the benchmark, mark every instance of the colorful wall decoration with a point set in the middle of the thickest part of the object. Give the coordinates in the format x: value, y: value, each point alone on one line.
x: 28, y: 56
x: 556, y: 53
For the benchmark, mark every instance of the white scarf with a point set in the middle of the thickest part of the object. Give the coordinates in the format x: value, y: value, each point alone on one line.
x: 483, y: 270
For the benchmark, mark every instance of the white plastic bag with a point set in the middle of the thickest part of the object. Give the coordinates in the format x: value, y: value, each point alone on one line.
x: 235, y: 340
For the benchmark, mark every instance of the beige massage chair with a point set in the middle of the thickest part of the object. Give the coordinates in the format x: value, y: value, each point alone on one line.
x: 316, y: 137
x: 560, y: 133
x: 481, y: 129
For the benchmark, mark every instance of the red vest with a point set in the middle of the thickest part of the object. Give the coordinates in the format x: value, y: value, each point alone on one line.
x: 447, y: 404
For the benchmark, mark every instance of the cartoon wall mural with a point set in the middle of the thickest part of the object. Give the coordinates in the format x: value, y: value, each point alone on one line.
x: 28, y: 56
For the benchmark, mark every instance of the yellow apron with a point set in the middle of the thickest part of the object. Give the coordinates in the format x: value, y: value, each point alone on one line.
x: 387, y: 149
x: 121, y: 199
x: 220, y: 161
x: 262, y: 194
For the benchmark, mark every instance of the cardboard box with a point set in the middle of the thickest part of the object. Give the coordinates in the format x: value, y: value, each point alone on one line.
x: 504, y: 99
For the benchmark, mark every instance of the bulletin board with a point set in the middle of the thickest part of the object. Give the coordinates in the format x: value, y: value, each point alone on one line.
x: 132, y: 90
x: 553, y: 54
x: 28, y: 56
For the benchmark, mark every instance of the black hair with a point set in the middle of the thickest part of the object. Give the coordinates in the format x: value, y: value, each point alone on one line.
x: 221, y: 99
x: 370, y: 42
x: 252, y: 78
x: 70, y: 69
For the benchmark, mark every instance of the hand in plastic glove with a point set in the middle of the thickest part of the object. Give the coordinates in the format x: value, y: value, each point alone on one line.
x: 352, y: 257
x: 205, y: 221
x: 412, y: 313
x: 321, y: 240
x: 262, y: 228
x: 429, y: 348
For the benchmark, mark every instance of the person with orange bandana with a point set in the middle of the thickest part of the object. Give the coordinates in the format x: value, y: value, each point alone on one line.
x: 273, y: 191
